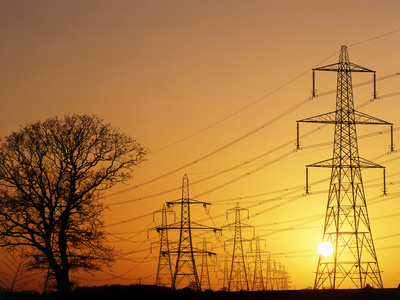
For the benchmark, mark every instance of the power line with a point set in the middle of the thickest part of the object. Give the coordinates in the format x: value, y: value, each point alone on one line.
x: 374, y: 38
x: 286, y: 196
x: 267, y: 95
x: 246, y: 163
x: 244, y: 108
x: 250, y: 133
x: 215, y: 151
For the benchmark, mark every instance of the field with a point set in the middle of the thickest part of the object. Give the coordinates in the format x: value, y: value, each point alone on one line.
x: 151, y: 292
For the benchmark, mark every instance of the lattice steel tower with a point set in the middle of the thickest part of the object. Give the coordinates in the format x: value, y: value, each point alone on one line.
x: 238, y: 279
x: 204, y: 281
x: 223, y: 265
x: 164, y: 268
x: 354, y: 261
x: 185, y: 267
x: 259, y: 283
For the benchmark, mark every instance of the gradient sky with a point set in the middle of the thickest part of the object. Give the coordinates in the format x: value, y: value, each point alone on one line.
x: 213, y: 89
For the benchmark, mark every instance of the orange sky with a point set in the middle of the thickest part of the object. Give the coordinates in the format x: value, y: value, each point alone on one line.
x: 195, y: 81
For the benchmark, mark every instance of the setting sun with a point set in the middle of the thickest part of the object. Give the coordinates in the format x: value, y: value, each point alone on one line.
x: 325, y: 249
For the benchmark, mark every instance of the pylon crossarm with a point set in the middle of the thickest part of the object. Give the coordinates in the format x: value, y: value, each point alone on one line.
x: 344, y: 65
x: 327, y: 163
x: 364, y: 163
x: 194, y: 251
x: 231, y: 225
x: 201, y: 251
x: 190, y: 201
x: 362, y: 118
x: 331, y: 67
x: 328, y: 118
x: 236, y: 209
x: 194, y: 225
x: 357, y: 68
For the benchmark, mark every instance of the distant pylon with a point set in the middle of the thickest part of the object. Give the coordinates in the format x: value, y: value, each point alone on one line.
x: 226, y: 274
x: 185, y: 267
x: 347, y: 228
x: 282, y: 277
x: 204, y: 281
x: 273, y: 275
x: 258, y: 275
x: 238, y: 279
x: 224, y: 270
x: 164, y: 268
x: 267, y: 271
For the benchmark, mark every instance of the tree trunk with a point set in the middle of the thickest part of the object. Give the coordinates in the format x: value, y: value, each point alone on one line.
x: 61, y: 274
x: 63, y: 283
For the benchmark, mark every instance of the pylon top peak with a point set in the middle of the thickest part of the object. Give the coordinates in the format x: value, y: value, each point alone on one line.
x: 344, y: 55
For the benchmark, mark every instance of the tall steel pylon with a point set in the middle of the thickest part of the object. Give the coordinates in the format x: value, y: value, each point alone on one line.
x: 238, y: 279
x: 347, y: 228
x: 185, y: 267
x: 164, y: 268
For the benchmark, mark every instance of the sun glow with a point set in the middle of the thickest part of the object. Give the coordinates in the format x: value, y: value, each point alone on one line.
x: 325, y: 249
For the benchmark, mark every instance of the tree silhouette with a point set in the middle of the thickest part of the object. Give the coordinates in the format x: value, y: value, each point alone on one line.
x: 52, y: 178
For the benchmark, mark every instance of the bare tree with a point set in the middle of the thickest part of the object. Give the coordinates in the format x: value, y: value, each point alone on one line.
x: 52, y: 178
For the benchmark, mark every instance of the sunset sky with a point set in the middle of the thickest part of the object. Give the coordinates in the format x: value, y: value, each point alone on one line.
x: 213, y: 89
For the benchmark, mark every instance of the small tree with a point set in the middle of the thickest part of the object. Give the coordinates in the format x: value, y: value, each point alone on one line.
x: 52, y: 178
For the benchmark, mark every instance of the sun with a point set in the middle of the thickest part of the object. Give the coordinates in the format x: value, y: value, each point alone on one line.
x: 325, y: 249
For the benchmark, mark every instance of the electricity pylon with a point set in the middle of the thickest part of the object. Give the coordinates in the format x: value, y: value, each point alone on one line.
x: 347, y: 227
x: 226, y: 274
x: 204, y: 280
x: 238, y: 279
x: 267, y: 271
x: 185, y: 267
x: 164, y: 268
x: 258, y: 284
x: 273, y: 275
x: 224, y: 270
x: 281, y: 277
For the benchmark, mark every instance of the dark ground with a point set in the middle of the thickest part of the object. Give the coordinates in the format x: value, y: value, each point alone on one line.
x: 152, y: 292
